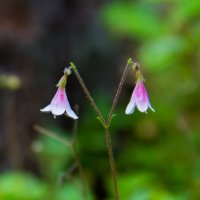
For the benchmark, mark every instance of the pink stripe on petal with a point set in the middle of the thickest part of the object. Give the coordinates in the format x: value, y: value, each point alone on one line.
x: 59, y: 97
x: 59, y: 102
x: 139, y: 98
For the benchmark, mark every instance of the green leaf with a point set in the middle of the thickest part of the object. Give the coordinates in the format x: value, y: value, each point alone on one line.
x: 72, y: 191
x: 21, y: 186
x: 185, y: 11
x: 162, y: 52
x: 142, y: 186
x: 124, y: 19
x: 55, y: 154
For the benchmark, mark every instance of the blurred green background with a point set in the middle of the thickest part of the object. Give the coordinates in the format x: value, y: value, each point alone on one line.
x: 156, y: 154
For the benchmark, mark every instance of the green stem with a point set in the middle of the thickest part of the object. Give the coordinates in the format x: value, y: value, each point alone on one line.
x: 112, y: 162
x: 106, y: 124
x: 52, y: 135
x: 87, y: 93
x: 119, y: 89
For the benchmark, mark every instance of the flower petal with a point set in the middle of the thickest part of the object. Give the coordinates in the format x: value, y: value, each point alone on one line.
x: 46, y: 109
x: 71, y: 113
x: 142, y: 106
x: 130, y: 108
x: 151, y: 108
x: 58, y: 109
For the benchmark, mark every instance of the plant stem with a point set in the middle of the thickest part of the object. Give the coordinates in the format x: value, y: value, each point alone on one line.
x: 112, y: 162
x: 106, y: 124
x: 51, y: 135
x: 88, y: 94
x: 116, y: 98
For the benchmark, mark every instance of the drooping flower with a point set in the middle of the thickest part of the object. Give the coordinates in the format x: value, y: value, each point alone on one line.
x: 139, y: 99
x: 60, y: 104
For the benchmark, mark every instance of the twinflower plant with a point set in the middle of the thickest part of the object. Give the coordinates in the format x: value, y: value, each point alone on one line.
x: 60, y: 105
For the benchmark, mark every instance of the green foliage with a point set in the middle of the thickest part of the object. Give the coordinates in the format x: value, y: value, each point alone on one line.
x: 19, y: 185
x: 23, y: 186
x: 72, y: 191
x: 69, y: 192
x: 53, y: 152
x: 58, y: 165
x: 132, y: 20
x: 164, y: 37
x: 142, y: 186
x: 162, y: 53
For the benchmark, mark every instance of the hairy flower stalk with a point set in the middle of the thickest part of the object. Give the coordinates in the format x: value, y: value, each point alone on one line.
x: 60, y: 104
x: 139, y: 96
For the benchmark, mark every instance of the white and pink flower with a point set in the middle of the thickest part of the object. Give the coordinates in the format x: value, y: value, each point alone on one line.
x: 60, y: 105
x: 139, y: 99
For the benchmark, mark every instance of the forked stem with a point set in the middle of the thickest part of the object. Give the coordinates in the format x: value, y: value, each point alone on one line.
x: 106, y: 123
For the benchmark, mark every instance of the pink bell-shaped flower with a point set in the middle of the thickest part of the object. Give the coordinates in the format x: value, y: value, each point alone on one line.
x: 60, y: 104
x: 139, y: 99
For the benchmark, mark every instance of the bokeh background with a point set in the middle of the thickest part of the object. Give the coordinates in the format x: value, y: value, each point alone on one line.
x: 156, y: 154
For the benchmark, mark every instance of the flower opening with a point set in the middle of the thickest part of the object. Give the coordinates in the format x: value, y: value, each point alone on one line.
x: 139, y: 99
